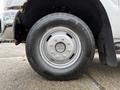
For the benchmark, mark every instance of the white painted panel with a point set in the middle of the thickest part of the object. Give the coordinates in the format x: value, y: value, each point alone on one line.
x: 115, y: 2
x: 113, y: 11
x: 9, y: 3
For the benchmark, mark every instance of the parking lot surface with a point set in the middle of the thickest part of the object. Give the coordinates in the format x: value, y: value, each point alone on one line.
x: 16, y: 74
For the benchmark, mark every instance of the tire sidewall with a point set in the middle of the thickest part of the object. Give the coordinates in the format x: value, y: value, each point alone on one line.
x: 41, y: 27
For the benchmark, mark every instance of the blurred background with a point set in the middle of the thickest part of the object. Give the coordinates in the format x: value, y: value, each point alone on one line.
x: 8, y: 11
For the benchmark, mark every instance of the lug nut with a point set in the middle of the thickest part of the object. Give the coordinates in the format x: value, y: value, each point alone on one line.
x: 55, y: 40
x: 62, y: 39
x: 51, y: 45
x: 64, y: 55
x: 68, y: 44
x: 57, y: 56
x: 52, y: 52
x: 68, y: 50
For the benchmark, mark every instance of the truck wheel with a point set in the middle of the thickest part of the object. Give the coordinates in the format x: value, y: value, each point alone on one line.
x: 59, y: 46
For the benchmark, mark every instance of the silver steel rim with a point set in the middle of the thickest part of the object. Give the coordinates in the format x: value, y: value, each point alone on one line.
x: 60, y: 47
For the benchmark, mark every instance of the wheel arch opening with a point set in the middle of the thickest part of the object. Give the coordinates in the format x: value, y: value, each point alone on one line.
x: 92, y: 12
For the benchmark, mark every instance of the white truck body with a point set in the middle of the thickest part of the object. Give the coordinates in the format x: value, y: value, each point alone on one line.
x: 112, y: 8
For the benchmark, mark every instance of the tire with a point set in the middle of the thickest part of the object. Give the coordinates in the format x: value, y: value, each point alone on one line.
x: 59, y: 46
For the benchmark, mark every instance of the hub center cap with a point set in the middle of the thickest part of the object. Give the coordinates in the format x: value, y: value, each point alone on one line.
x: 60, y: 47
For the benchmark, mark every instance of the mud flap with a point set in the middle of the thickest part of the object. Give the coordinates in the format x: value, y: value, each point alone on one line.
x: 106, y: 49
x: 0, y: 27
x: 20, y: 32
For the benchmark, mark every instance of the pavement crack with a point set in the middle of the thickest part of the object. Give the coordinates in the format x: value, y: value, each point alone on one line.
x: 95, y: 81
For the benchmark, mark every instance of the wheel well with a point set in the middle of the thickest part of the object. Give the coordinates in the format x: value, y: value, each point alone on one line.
x: 91, y: 12
x: 88, y: 10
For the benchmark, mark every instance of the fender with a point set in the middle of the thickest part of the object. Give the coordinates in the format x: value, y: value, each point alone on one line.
x: 104, y: 39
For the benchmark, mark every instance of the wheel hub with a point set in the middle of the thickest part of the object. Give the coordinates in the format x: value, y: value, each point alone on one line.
x: 60, y: 47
